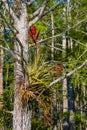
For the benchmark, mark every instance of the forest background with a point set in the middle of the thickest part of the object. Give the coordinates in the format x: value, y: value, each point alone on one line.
x: 43, y: 65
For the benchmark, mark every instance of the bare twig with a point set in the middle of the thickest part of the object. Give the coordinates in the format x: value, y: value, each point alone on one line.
x: 42, y: 8
x: 9, y: 112
x: 80, y: 31
x: 82, y: 54
x: 52, y: 8
x: 6, y: 49
x: 79, y: 42
x: 11, y: 11
x: 12, y: 28
x: 35, y: 13
x: 40, y: 12
x: 56, y: 48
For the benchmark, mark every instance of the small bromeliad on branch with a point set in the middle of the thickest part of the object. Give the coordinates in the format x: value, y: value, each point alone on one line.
x: 58, y: 68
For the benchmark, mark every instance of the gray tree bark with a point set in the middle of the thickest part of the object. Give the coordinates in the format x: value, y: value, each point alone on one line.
x: 52, y: 57
x: 65, y: 93
x: 22, y: 115
x: 1, y: 74
x: 1, y: 81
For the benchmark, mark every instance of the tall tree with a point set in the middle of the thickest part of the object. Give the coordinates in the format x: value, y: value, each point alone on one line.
x: 1, y: 77
x: 22, y: 21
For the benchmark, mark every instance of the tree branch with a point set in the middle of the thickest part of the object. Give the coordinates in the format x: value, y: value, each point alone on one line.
x: 67, y: 75
x: 9, y: 112
x: 11, y: 11
x: 42, y: 8
x: 49, y: 38
x: 6, y: 49
x: 53, y: 7
x: 35, y: 13
x: 56, y: 48
x: 13, y: 54
x: 79, y: 42
x: 29, y: 3
x: 46, y: 12
x: 12, y: 29
x: 82, y: 54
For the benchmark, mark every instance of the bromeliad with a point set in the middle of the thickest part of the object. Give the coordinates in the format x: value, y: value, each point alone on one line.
x: 33, y: 34
x: 58, y: 68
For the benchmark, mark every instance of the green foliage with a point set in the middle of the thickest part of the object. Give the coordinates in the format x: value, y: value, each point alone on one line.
x: 39, y: 125
x: 5, y: 114
x: 8, y: 106
x: 39, y: 70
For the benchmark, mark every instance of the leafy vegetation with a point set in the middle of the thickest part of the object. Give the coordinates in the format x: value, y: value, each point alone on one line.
x: 69, y: 21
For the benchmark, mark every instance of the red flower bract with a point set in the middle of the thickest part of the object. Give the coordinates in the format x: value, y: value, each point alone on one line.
x: 33, y: 30
x: 58, y: 68
x: 33, y: 34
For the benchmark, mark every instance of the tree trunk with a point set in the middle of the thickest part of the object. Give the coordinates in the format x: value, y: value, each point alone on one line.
x: 1, y: 81
x: 65, y: 99
x: 1, y: 74
x: 21, y: 115
x: 54, y: 93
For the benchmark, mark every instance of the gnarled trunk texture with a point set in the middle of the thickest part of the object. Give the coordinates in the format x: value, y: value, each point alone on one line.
x: 21, y: 115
